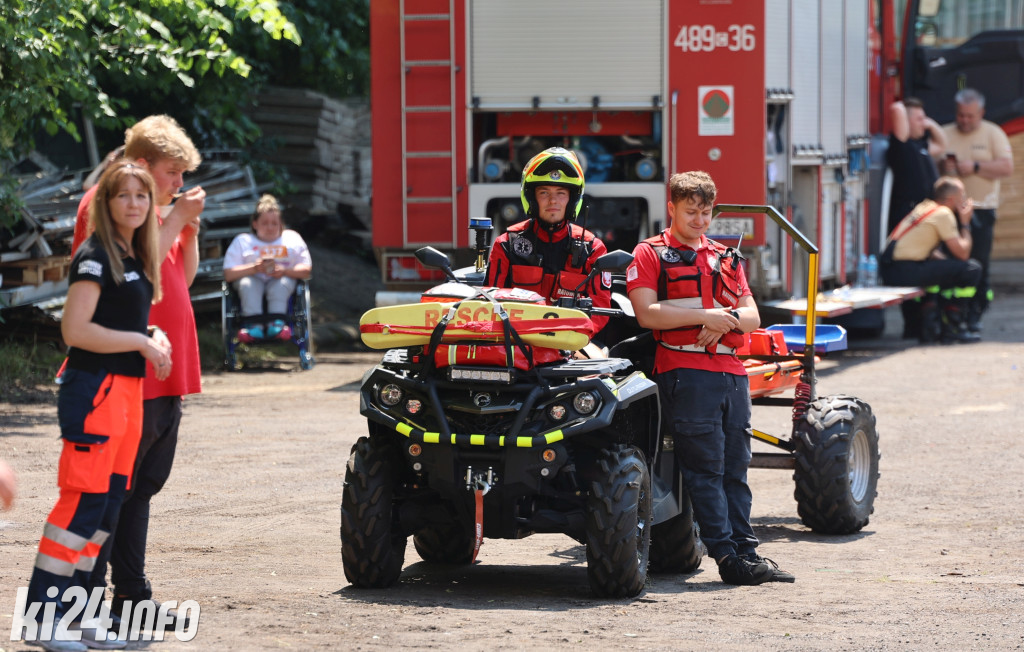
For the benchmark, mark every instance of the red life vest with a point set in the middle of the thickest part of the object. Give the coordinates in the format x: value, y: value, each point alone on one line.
x: 693, y: 280
x: 527, y: 269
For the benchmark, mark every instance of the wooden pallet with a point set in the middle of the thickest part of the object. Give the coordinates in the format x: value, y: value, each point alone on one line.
x: 35, y: 271
x: 1009, y: 231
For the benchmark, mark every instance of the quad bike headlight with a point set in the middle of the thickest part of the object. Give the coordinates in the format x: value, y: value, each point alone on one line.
x: 556, y: 412
x: 412, y: 406
x: 585, y: 402
x: 391, y: 395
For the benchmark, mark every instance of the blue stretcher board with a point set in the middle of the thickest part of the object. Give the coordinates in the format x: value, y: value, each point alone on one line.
x: 827, y: 337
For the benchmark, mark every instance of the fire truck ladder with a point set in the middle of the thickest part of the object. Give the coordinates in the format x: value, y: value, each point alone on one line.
x: 441, y: 26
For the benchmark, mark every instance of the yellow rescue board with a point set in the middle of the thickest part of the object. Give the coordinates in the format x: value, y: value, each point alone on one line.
x: 537, y: 324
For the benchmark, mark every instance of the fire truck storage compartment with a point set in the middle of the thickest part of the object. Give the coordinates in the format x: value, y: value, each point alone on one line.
x: 607, y: 106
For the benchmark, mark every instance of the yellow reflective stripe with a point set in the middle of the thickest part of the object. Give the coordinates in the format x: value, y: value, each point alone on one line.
x: 403, y: 429
x: 453, y: 439
x: 763, y: 436
x: 552, y: 437
x: 501, y: 440
x: 524, y: 442
x: 431, y: 437
x: 477, y: 440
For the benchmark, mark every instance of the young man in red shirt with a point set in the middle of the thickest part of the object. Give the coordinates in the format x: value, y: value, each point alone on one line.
x: 692, y: 292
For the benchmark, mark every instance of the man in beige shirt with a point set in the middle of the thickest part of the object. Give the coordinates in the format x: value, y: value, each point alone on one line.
x: 978, y: 151
x: 931, y: 248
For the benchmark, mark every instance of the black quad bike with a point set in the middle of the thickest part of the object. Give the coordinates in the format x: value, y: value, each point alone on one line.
x: 463, y: 452
x: 573, y: 447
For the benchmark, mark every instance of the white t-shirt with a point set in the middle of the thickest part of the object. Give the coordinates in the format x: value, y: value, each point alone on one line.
x: 288, y: 251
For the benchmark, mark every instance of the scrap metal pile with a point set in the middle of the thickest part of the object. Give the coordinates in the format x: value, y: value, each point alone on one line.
x: 35, y: 253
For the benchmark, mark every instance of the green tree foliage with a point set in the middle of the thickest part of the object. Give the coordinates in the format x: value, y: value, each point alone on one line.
x: 97, y: 56
x: 334, y: 57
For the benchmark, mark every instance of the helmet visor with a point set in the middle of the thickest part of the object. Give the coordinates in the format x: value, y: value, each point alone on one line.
x: 559, y: 164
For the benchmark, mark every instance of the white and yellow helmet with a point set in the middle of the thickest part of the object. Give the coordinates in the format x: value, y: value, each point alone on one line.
x: 555, y: 166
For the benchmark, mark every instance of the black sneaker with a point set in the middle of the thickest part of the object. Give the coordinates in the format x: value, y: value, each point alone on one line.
x: 960, y: 335
x: 735, y: 570
x: 138, y: 607
x: 778, y: 575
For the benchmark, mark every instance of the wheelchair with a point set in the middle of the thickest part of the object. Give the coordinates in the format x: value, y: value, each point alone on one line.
x: 298, y: 319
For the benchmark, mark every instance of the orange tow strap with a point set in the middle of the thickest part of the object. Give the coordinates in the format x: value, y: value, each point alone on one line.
x: 479, y: 528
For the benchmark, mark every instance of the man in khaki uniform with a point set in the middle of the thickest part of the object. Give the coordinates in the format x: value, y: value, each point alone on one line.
x: 982, y: 157
x: 930, y: 248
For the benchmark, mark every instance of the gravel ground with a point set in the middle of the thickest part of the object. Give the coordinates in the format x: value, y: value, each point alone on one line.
x: 248, y: 525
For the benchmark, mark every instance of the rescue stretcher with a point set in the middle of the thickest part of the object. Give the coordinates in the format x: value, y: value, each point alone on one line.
x: 474, y: 333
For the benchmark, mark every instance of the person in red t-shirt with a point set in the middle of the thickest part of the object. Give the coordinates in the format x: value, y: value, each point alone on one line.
x: 159, y: 144
x: 693, y: 293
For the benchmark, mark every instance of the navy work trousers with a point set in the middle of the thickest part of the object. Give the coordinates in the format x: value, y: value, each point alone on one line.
x: 708, y: 415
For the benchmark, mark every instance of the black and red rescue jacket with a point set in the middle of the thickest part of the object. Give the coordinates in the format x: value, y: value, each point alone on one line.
x: 697, y: 281
x: 551, y: 264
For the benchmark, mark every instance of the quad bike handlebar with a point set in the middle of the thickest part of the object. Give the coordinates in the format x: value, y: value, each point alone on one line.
x: 613, y: 261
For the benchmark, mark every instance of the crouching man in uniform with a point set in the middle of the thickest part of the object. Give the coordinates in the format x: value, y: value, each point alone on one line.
x: 931, y: 248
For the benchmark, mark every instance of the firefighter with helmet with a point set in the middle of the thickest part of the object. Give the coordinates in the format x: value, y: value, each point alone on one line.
x: 547, y: 252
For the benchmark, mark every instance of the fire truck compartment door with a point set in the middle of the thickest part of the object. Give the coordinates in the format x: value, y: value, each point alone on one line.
x: 567, y: 53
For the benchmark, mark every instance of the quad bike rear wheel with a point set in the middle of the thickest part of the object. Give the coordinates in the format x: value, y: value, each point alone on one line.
x: 675, y: 544
x: 446, y: 543
x: 836, y: 451
x: 618, y: 524
x: 371, y: 552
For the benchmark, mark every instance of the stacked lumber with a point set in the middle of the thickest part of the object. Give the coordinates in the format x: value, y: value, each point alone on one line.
x: 1008, y: 241
x: 34, y: 271
x: 324, y: 144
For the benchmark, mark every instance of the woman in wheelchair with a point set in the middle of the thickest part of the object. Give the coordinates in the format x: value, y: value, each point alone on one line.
x: 266, y: 263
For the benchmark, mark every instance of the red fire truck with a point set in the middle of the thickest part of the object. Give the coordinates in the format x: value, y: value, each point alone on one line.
x: 776, y: 99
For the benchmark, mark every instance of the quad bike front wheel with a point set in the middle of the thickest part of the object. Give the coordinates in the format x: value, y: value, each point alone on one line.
x: 447, y: 543
x: 675, y: 544
x: 618, y: 524
x: 371, y: 552
x: 836, y: 451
